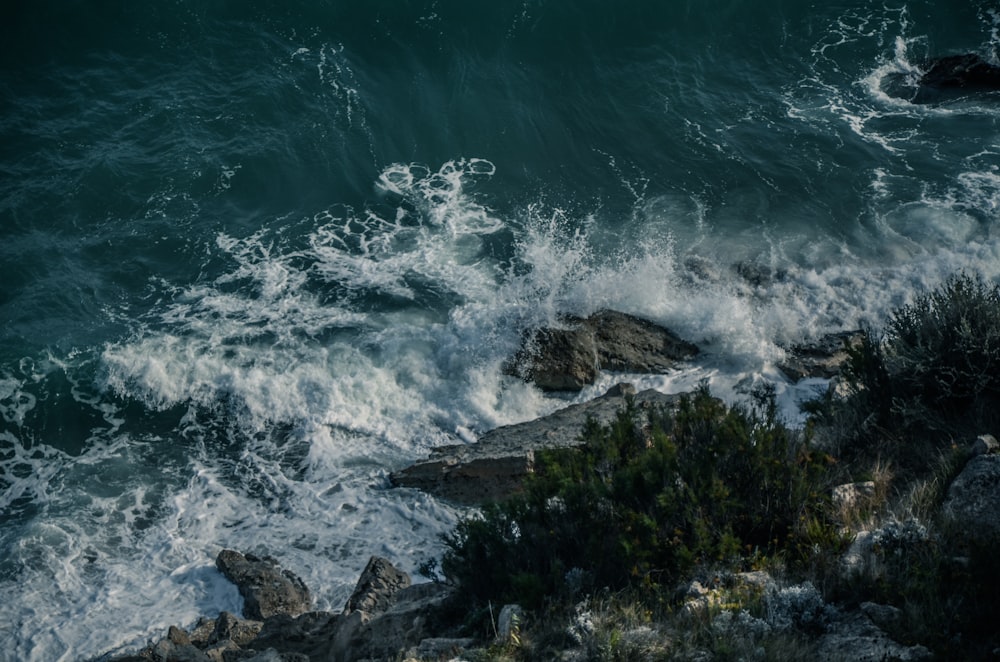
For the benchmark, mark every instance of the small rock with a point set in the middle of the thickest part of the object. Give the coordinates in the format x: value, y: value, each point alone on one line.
x: 510, y: 620
x: 229, y: 627
x: 851, y: 496
x: 267, y: 590
x: 884, y: 616
x: 985, y: 444
x: 822, y: 358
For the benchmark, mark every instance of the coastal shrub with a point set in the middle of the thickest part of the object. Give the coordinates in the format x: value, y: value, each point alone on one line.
x: 643, y: 501
x: 932, y: 376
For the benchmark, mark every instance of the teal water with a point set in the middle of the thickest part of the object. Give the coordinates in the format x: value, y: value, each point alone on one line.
x: 252, y: 259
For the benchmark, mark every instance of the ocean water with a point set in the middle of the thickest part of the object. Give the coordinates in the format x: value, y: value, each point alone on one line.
x: 255, y: 256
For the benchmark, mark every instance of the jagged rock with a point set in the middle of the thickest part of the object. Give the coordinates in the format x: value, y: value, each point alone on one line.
x: 973, y: 501
x: 168, y: 651
x: 822, y: 358
x: 496, y: 466
x: 311, y: 634
x: 267, y: 590
x: 376, y: 587
x: 408, y: 620
x: 230, y: 627
x: 569, y: 358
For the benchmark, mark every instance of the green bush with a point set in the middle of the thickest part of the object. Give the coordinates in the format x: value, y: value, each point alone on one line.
x: 932, y: 377
x: 642, y: 502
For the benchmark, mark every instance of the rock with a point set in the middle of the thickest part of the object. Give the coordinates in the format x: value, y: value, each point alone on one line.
x: 376, y: 587
x: 229, y: 627
x: 944, y: 79
x: 885, y: 617
x: 852, y: 498
x: 311, y: 634
x: 267, y: 590
x: 856, y: 638
x: 168, y: 651
x: 408, y: 620
x: 569, y: 358
x: 822, y: 358
x: 440, y: 648
x: 509, y: 622
x: 495, y: 466
x: 972, y: 505
x: 985, y: 444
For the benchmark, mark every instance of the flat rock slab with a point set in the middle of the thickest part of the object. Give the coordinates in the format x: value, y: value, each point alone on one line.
x: 267, y: 590
x: 569, y: 358
x: 495, y: 466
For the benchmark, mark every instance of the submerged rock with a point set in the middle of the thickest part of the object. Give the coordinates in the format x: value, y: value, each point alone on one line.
x: 569, y: 357
x: 267, y: 590
x: 497, y: 464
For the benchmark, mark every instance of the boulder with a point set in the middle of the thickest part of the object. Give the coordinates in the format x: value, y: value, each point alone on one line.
x: 408, y: 620
x: 495, y: 466
x: 822, y: 358
x: 376, y: 587
x: 267, y: 590
x: 972, y: 504
x: 856, y: 638
x: 569, y: 357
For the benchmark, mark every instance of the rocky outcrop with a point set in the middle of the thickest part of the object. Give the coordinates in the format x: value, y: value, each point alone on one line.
x: 822, y: 358
x: 569, y: 357
x: 385, y: 618
x: 497, y: 464
x: 972, y: 505
x: 267, y: 590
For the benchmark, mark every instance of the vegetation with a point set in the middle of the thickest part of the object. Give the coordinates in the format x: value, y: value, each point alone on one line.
x: 645, y: 503
x: 604, y: 535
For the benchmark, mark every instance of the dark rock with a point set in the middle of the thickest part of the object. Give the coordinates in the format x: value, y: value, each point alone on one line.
x: 312, y: 634
x: 985, y: 444
x: 973, y: 502
x: 376, y: 587
x: 409, y: 619
x: 569, y: 358
x: 497, y: 464
x: 267, y: 590
x: 822, y: 358
x: 944, y: 79
x: 229, y: 627
x: 966, y: 72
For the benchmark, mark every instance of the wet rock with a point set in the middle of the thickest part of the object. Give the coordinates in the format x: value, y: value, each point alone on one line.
x: 267, y: 590
x: 822, y: 358
x: 379, y: 582
x: 569, y: 357
x: 495, y: 466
